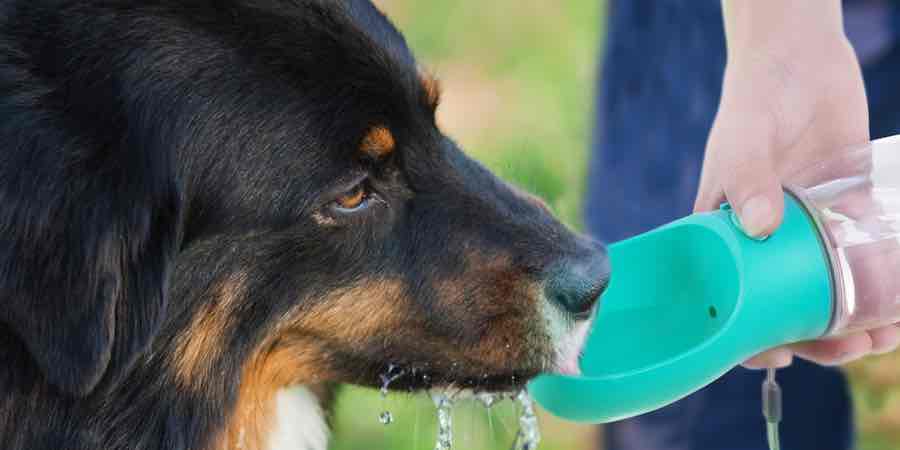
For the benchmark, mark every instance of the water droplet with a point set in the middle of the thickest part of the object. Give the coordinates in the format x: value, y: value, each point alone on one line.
x: 529, y: 435
x: 486, y: 399
x: 444, y: 405
x: 386, y: 418
x: 389, y: 377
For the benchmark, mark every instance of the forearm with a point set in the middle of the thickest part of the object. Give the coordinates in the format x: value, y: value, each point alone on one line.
x: 782, y: 28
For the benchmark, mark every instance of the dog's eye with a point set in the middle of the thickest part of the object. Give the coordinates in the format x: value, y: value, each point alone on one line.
x: 352, y: 200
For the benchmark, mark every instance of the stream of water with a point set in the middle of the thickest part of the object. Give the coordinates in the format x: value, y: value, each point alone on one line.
x: 527, y: 438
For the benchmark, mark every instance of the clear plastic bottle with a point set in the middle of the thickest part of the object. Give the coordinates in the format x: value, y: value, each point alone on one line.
x: 854, y: 196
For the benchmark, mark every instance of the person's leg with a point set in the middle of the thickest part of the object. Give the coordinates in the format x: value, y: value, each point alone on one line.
x: 657, y: 99
x: 726, y: 415
x: 882, y: 79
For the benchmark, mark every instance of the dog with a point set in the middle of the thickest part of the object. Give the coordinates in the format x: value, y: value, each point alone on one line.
x: 204, y: 203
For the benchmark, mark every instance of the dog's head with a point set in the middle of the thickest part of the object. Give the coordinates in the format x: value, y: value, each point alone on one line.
x: 278, y: 163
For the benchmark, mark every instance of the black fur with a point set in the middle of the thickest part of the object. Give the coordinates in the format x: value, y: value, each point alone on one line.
x: 154, y: 150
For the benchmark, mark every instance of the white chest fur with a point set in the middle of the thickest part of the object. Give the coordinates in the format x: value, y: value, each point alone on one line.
x: 300, y: 424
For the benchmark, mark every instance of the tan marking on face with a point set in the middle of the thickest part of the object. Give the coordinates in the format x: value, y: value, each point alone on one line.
x: 294, y: 355
x: 378, y: 142
x: 197, y: 347
x: 480, y: 275
x: 355, y: 313
x: 492, y: 288
x: 513, y: 341
x: 432, y: 88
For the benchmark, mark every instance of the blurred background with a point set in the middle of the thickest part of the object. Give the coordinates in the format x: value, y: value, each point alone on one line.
x: 518, y: 78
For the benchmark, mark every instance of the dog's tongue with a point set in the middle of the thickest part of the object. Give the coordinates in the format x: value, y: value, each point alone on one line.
x: 569, y: 359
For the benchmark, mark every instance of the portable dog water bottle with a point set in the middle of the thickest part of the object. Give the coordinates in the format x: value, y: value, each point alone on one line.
x: 694, y: 298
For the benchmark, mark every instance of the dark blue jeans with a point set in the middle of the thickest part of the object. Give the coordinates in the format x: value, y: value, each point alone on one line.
x: 657, y: 97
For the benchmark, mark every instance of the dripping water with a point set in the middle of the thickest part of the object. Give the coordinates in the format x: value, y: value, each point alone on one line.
x: 529, y: 435
x: 444, y: 405
x: 487, y: 399
x: 389, y: 377
x: 392, y: 374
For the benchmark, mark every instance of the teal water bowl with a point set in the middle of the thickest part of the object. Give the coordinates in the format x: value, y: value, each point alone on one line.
x: 688, y: 302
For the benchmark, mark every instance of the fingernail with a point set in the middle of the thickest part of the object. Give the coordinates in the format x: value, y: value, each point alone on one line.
x: 756, y: 215
x: 778, y: 358
x: 893, y: 344
x: 781, y: 359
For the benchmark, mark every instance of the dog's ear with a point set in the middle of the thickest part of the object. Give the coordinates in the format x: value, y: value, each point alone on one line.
x: 85, y: 251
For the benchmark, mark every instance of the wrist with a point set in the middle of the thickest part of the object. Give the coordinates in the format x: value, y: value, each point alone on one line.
x: 792, y: 63
x: 783, y: 29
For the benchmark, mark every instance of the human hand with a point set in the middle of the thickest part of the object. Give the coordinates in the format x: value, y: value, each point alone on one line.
x: 785, y: 104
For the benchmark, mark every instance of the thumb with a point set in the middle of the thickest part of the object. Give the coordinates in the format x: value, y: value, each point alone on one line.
x: 755, y: 193
x: 739, y: 164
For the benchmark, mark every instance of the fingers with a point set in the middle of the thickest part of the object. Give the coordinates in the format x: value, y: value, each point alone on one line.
x: 754, y: 192
x: 756, y: 195
x: 746, y: 171
x: 710, y: 194
x: 776, y: 358
x: 885, y: 339
x: 836, y: 351
x: 831, y: 352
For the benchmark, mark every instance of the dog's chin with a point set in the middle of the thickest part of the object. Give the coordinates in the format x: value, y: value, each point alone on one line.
x: 565, y: 360
x: 425, y: 380
x: 561, y: 356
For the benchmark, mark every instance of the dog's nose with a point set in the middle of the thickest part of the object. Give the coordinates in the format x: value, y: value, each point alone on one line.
x: 576, y: 285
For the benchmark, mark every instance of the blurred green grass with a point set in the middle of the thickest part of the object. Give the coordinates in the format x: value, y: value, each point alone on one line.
x: 518, y: 80
x: 357, y: 427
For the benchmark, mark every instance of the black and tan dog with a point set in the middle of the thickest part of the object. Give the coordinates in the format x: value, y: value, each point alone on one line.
x: 203, y: 202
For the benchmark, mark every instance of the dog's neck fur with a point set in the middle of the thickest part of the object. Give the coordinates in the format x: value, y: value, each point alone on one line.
x: 150, y: 413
